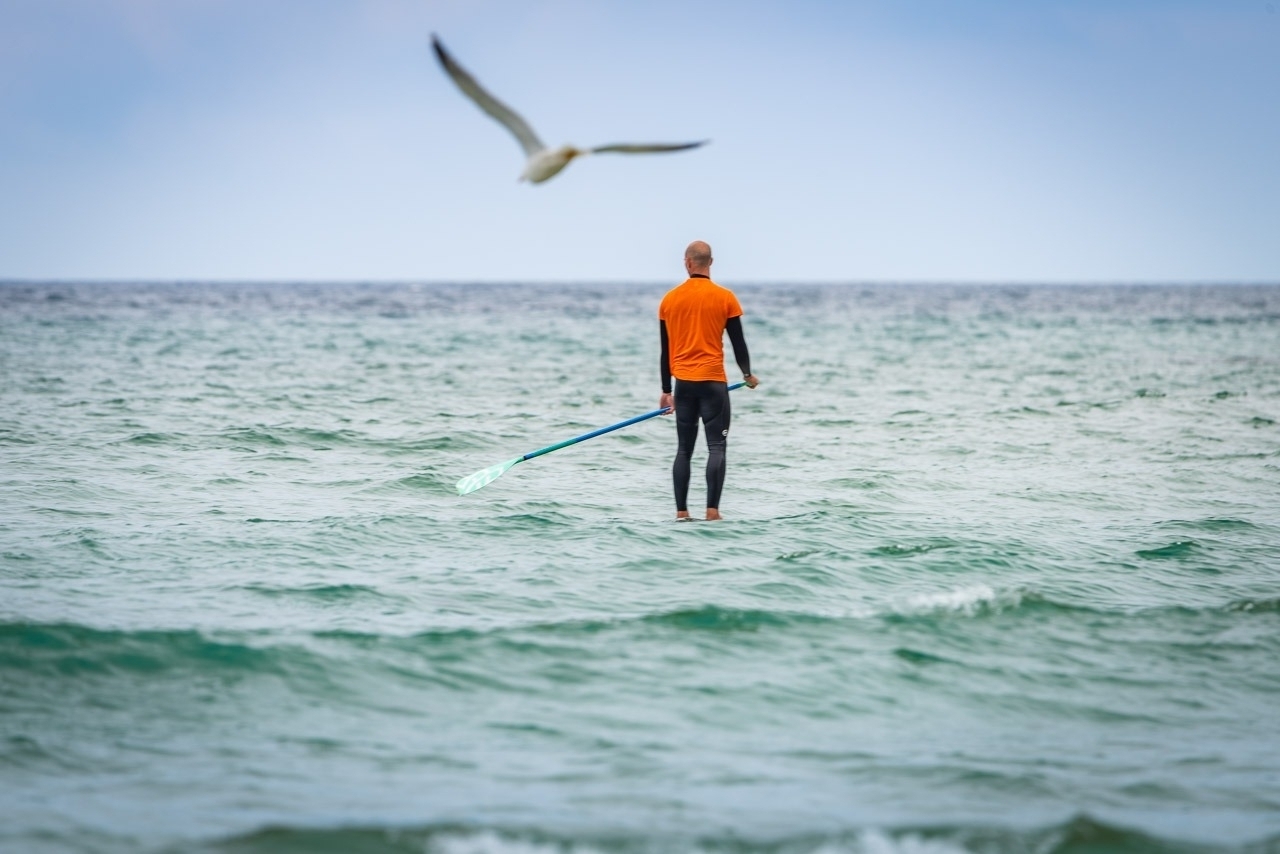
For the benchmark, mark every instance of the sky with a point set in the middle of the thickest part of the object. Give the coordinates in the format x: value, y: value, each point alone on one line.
x: 879, y: 141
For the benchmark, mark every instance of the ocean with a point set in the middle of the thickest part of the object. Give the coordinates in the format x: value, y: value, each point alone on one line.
x: 999, y: 572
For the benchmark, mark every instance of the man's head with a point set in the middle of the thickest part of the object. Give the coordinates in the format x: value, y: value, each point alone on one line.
x: 697, y: 258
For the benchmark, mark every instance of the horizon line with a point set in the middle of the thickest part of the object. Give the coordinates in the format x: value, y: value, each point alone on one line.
x: 563, y: 282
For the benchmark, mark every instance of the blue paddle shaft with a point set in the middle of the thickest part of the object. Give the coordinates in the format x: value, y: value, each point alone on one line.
x: 585, y: 436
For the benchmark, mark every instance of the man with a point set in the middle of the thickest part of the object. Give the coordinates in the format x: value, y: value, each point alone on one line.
x: 692, y: 320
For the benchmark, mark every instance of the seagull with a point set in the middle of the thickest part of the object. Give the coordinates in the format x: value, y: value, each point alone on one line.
x: 543, y: 162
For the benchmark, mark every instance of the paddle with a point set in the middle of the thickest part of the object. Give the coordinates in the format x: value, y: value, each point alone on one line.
x: 484, y: 477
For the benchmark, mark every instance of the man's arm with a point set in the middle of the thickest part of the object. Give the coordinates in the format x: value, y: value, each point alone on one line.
x: 664, y: 368
x: 664, y: 360
x: 734, y: 327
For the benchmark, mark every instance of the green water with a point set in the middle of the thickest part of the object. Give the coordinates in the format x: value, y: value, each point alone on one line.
x: 1000, y: 572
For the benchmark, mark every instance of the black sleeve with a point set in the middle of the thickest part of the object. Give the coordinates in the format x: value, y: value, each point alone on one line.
x: 664, y: 360
x: 734, y: 327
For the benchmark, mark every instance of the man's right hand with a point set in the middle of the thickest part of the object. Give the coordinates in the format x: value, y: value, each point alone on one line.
x: 667, y: 401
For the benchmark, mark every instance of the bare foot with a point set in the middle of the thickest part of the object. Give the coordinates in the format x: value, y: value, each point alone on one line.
x: 682, y: 515
x: 712, y: 514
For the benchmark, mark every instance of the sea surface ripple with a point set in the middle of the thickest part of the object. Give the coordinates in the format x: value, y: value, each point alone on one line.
x: 1000, y: 572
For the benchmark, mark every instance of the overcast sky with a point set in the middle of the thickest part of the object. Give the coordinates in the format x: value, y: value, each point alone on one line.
x: 930, y: 140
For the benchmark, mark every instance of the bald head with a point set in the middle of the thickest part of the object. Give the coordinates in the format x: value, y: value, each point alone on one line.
x: 697, y: 257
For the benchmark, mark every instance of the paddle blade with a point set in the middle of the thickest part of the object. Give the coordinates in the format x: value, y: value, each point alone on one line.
x: 484, y: 477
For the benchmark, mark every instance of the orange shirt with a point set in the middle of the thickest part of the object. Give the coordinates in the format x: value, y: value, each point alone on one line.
x: 695, y: 313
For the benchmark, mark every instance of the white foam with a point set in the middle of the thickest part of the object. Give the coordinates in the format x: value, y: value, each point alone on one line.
x: 489, y: 842
x: 875, y: 842
x: 866, y: 842
x: 965, y: 600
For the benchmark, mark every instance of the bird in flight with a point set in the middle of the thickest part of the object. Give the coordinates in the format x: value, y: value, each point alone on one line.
x: 543, y: 162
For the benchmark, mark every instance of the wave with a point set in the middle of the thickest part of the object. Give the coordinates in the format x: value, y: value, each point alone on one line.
x: 1255, y: 606
x: 969, y: 601
x: 1076, y: 836
x: 896, y: 550
x: 284, y: 436
x: 68, y: 649
x: 1213, y: 523
x: 1172, y: 551
x: 321, y: 592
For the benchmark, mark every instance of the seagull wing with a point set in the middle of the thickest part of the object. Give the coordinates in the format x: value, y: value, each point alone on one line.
x: 506, y: 116
x: 633, y: 148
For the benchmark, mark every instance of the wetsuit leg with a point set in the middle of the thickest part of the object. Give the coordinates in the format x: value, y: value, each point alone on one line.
x: 708, y: 402
x: 715, y: 420
x: 687, y: 408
